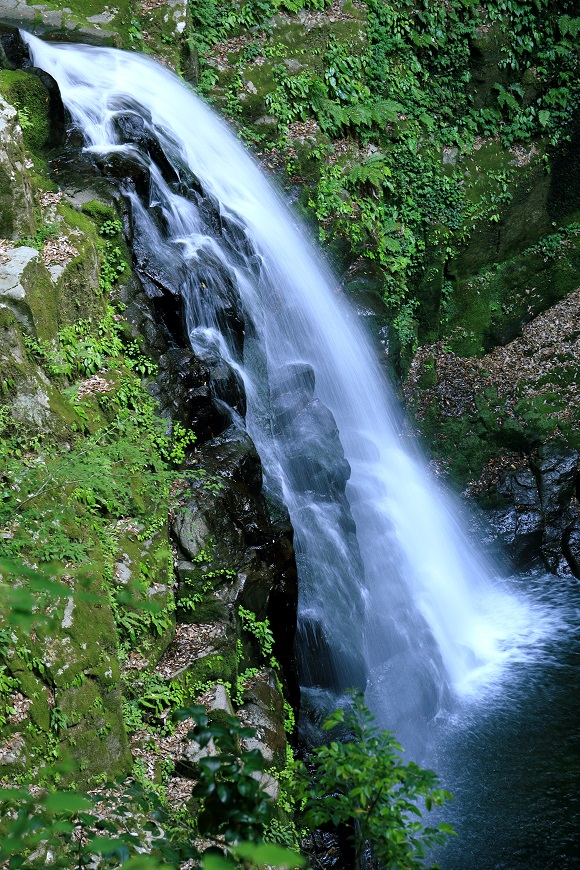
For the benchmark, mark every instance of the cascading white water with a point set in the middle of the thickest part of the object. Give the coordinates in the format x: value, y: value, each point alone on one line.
x: 404, y: 597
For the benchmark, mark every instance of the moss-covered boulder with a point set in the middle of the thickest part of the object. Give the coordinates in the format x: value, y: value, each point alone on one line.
x: 16, y: 194
x: 225, y: 536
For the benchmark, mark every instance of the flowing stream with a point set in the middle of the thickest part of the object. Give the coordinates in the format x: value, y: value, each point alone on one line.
x: 392, y: 597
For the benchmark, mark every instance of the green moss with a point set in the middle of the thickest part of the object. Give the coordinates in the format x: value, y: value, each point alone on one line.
x: 78, y: 293
x: 41, y: 297
x: 6, y: 205
x: 219, y: 717
x: 217, y: 667
x: 114, y: 32
x: 99, y: 211
x: 491, y: 308
x: 210, y: 609
x: 29, y: 96
x: 100, y: 747
x: 456, y: 443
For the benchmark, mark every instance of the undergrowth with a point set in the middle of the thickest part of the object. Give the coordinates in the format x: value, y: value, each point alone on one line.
x: 388, y: 105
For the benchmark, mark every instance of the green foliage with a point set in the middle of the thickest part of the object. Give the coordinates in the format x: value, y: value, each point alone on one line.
x: 233, y: 803
x: 154, y: 696
x: 113, y: 262
x: 82, y: 348
x: 65, y: 830
x: 363, y: 784
x: 395, y: 100
x: 259, y: 629
x: 181, y: 440
x: 541, y: 49
x: 251, y: 854
x: 135, y: 32
x: 28, y: 600
x: 213, y: 21
x: 7, y: 685
x: 44, y: 232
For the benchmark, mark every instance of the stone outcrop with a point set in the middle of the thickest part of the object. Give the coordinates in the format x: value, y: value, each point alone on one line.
x: 16, y: 194
x: 76, y: 691
x: 227, y: 544
x: 505, y: 427
x: 540, y: 520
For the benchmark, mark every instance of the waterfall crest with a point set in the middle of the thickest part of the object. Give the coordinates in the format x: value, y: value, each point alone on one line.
x: 390, y: 590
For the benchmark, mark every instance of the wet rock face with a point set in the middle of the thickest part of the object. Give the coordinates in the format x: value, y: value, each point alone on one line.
x: 199, y: 391
x: 505, y: 427
x: 540, y: 524
x: 13, y: 50
x: 558, y: 476
x: 520, y: 526
x: 223, y: 525
x: 186, y: 394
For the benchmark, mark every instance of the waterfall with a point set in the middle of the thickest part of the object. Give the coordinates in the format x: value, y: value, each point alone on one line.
x: 392, y: 597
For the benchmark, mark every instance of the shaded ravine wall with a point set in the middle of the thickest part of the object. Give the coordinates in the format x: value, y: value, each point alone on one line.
x: 528, y: 485
x: 209, y: 548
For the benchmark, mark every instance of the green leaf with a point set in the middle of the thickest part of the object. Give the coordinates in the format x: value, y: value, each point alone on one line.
x: 145, y: 862
x: 66, y: 802
x: 210, y: 764
x: 544, y: 116
x: 211, y: 861
x: 103, y: 845
x: 223, y: 792
x: 269, y: 854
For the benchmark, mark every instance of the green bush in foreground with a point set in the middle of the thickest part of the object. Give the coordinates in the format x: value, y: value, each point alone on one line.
x: 360, y: 784
x: 364, y: 785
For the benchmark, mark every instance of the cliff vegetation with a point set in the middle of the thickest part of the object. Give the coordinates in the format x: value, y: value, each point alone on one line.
x: 432, y: 148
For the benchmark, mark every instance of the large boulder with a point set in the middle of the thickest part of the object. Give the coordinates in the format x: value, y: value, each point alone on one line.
x: 17, y: 200
x: 227, y: 544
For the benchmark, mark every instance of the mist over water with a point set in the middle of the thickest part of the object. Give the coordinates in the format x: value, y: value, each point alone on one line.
x: 392, y: 596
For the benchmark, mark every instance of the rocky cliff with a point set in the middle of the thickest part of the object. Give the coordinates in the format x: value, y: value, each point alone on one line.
x: 131, y: 506
x: 141, y: 568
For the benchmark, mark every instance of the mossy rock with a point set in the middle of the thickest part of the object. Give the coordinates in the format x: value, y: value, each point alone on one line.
x: 29, y: 96
x: 33, y: 403
x: 88, y: 21
x: 41, y: 299
x: 95, y: 736
x: 514, y: 199
x: 77, y: 286
x: 491, y: 307
x: 456, y: 443
x: 99, y: 211
x: 17, y: 197
x: 485, y: 61
x: 142, y: 574
x: 221, y: 666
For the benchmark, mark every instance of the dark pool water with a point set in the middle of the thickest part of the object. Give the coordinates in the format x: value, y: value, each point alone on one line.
x: 510, y: 750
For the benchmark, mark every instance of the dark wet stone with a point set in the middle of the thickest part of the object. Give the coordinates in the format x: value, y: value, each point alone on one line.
x: 224, y: 512
x: 14, y: 52
x: 557, y: 468
x: 321, y: 666
x: 127, y: 167
x: 521, y: 532
x: 537, y: 523
x: 212, y: 297
x: 571, y: 548
x: 145, y: 324
x: 316, y: 457
x: 132, y: 128
x: 235, y: 237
